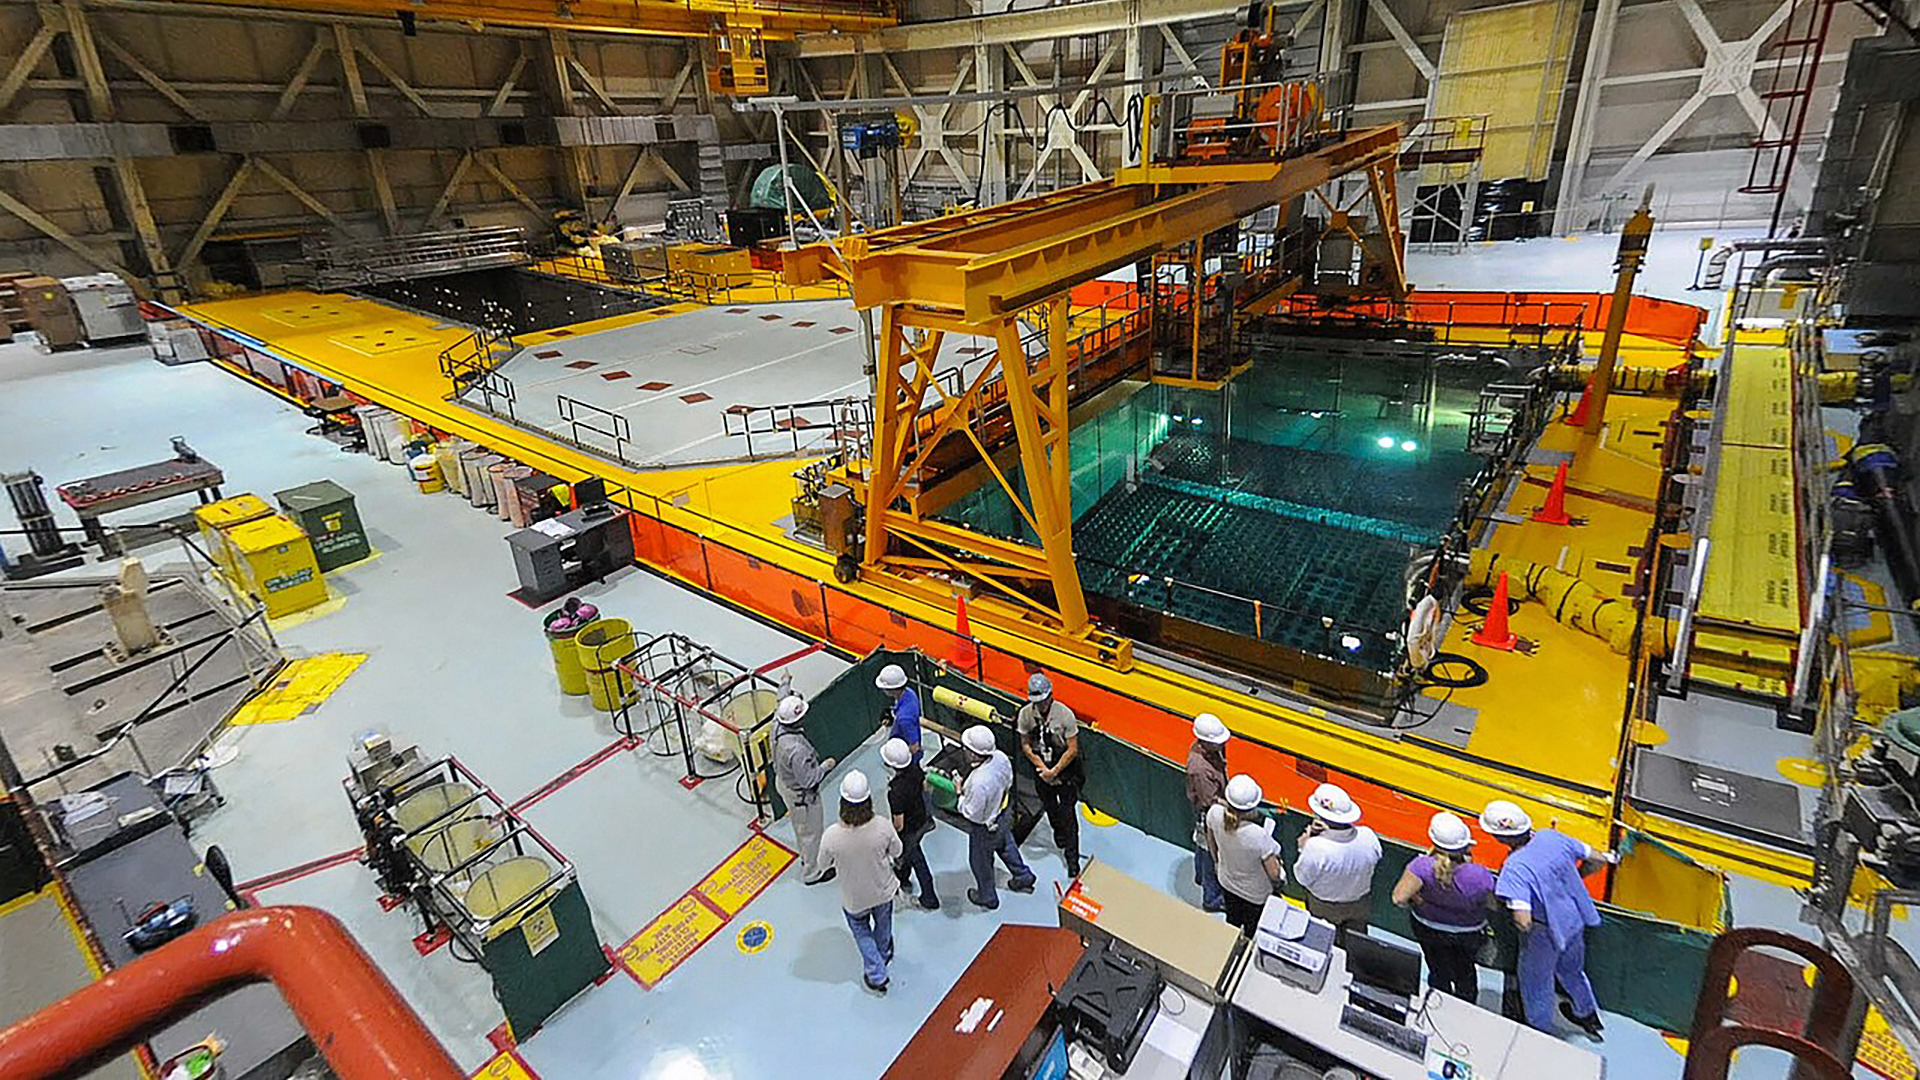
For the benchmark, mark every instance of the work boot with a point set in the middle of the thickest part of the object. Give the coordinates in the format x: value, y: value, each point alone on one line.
x: 1023, y: 885
x: 930, y: 902
x: 974, y: 895
x: 823, y: 878
x: 1589, y: 1024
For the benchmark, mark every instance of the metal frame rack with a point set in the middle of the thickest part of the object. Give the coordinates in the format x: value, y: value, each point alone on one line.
x: 685, y: 684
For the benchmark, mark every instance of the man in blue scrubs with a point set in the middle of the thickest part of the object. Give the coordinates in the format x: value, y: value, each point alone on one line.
x: 1540, y: 883
x: 903, y: 715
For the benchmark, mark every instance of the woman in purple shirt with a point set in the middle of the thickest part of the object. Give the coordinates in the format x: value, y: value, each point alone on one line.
x: 1448, y: 895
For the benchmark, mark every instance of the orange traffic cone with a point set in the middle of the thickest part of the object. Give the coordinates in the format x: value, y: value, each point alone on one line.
x: 960, y: 624
x: 1578, y: 417
x: 1494, y: 633
x: 1555, y: 510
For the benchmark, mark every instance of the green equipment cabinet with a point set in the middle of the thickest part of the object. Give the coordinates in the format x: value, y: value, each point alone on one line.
x: 326, y: 511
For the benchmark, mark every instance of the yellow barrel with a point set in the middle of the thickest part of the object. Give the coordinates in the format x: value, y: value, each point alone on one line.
x: 425, y: 469
x: 602, y: 643
x: 566, y: 662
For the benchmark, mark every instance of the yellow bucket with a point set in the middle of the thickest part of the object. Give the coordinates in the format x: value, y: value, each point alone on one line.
x: 566, y: 663
x: 602, y: 643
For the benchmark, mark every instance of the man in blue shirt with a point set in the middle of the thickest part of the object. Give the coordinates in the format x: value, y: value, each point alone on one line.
x: 903, y: 715
x: 1540, y: 883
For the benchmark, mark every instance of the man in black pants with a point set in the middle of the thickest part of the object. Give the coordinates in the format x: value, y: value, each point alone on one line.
x: 1050, y: 737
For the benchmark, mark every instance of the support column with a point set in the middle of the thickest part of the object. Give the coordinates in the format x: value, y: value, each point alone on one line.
x: 556, y: 86
x: 1043, y: 455
x: 1586, y: 109
x: 128, y: 193
x: 993, y: 139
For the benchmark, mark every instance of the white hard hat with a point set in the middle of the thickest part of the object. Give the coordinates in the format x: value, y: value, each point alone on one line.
x: 1332, y: 804
x: 1243, y: 792
x: 978, y: 738
x: 1039, y: 687
x: 1502, y: 818
x: 892, y: 677
x: 1448, y: 832
x: 896, y: 753
x: 1208, y: 728
x: 792, y: 709
x: 855, y: 787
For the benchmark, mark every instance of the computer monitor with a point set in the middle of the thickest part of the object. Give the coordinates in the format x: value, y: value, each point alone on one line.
x: 1383, y: 966
x: 589, y: 491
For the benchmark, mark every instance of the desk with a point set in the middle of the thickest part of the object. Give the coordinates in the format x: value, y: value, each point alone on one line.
x: 1015, y: 968
x: 97, y: 496
x: 1192, y: 949
x: 1497, y: 1048
x: 562, y: 553
x: 263, y: 1039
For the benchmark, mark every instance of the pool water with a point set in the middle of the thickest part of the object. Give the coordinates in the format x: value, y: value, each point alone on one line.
x: 1288, y: 503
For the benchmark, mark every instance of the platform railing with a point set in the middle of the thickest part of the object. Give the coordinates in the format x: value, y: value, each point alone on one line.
x: 581, y: 415
x: 359, y: 1022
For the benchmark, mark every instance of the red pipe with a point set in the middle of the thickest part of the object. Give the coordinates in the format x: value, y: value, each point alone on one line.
x: 356, y: 1018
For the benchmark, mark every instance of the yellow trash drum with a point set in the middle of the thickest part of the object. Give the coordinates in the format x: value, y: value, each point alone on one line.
x: 275, y: 562
x: 601, y: 644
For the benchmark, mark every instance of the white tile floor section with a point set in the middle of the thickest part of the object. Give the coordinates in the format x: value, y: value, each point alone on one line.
x: 458, y: 667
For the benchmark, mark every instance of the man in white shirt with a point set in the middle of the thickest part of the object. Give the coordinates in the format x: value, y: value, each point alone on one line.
x: 1336, y: 861
x: 987, y: 806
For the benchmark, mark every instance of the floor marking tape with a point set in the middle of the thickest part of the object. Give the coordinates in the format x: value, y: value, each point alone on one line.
x: 693, y: 920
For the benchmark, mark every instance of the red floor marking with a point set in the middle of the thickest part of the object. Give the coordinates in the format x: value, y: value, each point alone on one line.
x: 695, y: 398
x: 425, y: 944
x: 501, y: 1038
x: 548, y: 354
x: 294, y: 873
x: 656, y: 386
x: 611, y: 376
x: 388, y: 901
x: 769, y: 318
x: 841, y: 330
x: 580, y: 365
x: 738, y: 310
x: 802, y: 324
x: 575, y: 773
x: 691, y: 782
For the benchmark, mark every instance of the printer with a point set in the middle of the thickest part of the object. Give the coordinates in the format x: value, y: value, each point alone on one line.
x: 1290, y: 944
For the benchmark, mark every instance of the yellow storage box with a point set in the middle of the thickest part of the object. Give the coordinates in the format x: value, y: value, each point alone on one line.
x: 220, y: 518
x: 277, y: 566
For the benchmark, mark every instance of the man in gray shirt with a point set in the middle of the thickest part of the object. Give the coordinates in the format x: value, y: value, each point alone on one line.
x: 797, y: 773
x: 1050, y: 737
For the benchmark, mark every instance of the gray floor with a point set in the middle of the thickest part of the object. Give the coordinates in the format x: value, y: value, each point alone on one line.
x: 458, y: 668
x: 42, y: 963
x: 720, y: 358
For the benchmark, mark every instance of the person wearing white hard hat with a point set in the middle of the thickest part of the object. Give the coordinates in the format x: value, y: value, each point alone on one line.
x: 797, y: 773
x: 1050, y: 738
x: 1206, y: 786
x: 1540, y: 884
x: 902, y: 719
x: 1336, y: 861
x: 1448, y: 896
x: 987, y: 805
x: 912, y: 815
x: 862, y: 847
x: 1240, y: 838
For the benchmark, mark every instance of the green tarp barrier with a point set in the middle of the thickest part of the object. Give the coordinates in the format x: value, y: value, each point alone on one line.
x: 1642, y: 967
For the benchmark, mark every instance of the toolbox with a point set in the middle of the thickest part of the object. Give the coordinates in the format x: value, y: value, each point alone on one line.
x: 327, y: 513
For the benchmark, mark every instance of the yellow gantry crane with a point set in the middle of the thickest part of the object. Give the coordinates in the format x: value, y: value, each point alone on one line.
x: 1003, y: 273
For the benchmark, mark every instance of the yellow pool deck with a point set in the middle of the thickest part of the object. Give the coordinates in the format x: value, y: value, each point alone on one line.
x: 1548, y: 730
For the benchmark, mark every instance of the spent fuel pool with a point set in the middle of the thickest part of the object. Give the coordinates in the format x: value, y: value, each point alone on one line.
x: 1307, y: 485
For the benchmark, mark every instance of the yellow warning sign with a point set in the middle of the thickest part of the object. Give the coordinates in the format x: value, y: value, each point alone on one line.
x: 660, y: 947
x: 300, y: 688
x: 747, y: 871
x: 507, y: 1066
x: 1881, y: 1051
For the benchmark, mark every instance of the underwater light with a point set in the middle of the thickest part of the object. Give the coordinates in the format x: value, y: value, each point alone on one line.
x: 1409, y: 446
x: 1350, y: 642
x: 1385, y: 441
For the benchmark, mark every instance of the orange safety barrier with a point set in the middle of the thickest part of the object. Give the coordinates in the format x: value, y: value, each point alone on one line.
x: 1670, y: 321
x: 354, y: 1015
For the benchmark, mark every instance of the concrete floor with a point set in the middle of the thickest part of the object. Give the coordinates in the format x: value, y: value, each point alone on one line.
x: 458, y: 668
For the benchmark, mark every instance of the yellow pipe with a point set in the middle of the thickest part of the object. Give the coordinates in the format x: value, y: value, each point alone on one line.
x: 1571, y: 600
x: 958, y: 702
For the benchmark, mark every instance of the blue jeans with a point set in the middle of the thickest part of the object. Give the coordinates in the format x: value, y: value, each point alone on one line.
x: 1540, y: 962
x: 873, y: 933
x: 913, y: 861
x: 1207, y: 876
x: 986, y: 841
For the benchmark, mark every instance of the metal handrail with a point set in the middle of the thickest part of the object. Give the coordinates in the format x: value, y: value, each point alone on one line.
x: 359, y: 1022
x: 617, y: 427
